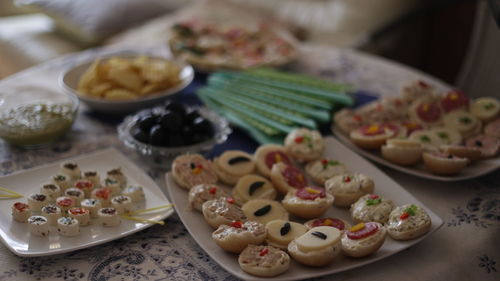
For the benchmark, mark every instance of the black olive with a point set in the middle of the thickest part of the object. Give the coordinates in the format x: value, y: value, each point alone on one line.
x: 171, y: 121
x: 238, y: 159
x: 319, y: 235
x: 285, y: 229
x: 478, y: 143
x: 157, y: 136
x: 140, y: 135
x: 147, y: 121
x: 254, y: 186
x: 262, y: 211
x: 175, y: 107
x: 176, y: 140
x: 191, y: 116
x: 203, y: 126
x: 187, y: 134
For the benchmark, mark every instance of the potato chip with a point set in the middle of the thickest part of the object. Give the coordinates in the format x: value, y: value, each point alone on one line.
x: 125, y: 78
x: 89, y: 77
x: 119, y: 94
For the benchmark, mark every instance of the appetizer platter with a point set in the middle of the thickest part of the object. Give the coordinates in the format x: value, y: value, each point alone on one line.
x: 78, y: 203
x: 305, y: 209
x: 443, y: 136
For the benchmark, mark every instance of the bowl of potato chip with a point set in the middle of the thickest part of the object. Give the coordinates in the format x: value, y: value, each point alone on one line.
x: 127, y: 82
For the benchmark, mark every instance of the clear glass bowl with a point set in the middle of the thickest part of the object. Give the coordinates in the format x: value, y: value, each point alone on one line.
x: 162, y: 157
x: 35, y: 116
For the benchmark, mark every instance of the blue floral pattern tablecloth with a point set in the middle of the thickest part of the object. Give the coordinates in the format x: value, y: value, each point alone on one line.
x: 467, y: 247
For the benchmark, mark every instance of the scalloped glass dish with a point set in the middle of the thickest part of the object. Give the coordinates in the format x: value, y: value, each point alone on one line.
x: 161, y: 157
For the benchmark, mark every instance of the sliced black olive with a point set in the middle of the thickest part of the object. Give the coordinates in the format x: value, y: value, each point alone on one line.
x: 319, y: 235
x: 192, y: 166
x: 171, y: 121
x: 478, y: 143
x: 157, y: 136
x: 254, y: 186
x: 176, y: 140
x: 140, y: 135
x: 262, y: 211
x: 146, y: 122
x: 191, y: 116
x: 203, y: 127
x: 285, y: 229
x: 238, y: 159
x: 175, y: 107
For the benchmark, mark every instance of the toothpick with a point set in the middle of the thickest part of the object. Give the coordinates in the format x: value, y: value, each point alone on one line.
x: 142, y: 220
x: 151, y: 209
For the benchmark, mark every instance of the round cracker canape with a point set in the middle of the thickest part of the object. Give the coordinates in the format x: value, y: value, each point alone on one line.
x: 104, y: 195
x: 189, y: 170
x: 371, y: 136
x: 93, y: 205
x: 117, y: 175
x: 348, y: 188
x: 281, y: 232
x: 84, y: 185
x: 38, y: 225
x: 94, y: 177
x: 304, y: 145
x: 446, y: 135
x: 308, y: 202
x: 471, y: 153
x: 236, y: 236
x: 112, y: 184
x: 317, y: 247
x: 264, y: 261
x: 108, y: 217
x: 371, y: 207
x: 324, y: 169
x: 264, y: 210
x: 454, y: 100
x: 232, y: 165
x: 80, y: 214
x: 52, y: 213
x: 75, y: 193
x: 395, y: 108
x: 427, y: 112
x: 465, y: 123
x: 268, y: 155
x: 71, y: 170
x: 68, y: 226
x: 418, y: 89
x: 122, y: 204
x: 36, y: 201
x: 428, y: 140
x: 63, y: 181
x: 443, y: 163
x: 363, y: 239
x: 202, y: 193
x: 251, y: 187
x: 52, y: 191
x: 485, y: 108
x: 339, y: 224
x: 20, y: 211
x: 65, y: 202
x: 412, y: 126
x: 135, y: 192
x: 492, y: 129
x: 222, y: 210
x: 347, y: 120
x: 286, y: 178
x: 488, y: 145
x: 408, y: 222
x: 402, y: 151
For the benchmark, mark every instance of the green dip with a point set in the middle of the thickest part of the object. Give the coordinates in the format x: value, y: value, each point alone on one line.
x: 35, y: 124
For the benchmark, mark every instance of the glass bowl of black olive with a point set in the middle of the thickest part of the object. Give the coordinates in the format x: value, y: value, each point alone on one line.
x: 162, y: 133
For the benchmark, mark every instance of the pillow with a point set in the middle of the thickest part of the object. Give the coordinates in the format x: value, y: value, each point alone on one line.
x: 91, y: 21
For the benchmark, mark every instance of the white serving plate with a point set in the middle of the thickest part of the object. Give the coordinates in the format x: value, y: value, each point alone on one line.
x: 475, y: 170
x: 384, y: 186
x: 16, y: 236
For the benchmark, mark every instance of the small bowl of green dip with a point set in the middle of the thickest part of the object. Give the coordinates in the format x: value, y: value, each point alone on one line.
x: 35, y: 116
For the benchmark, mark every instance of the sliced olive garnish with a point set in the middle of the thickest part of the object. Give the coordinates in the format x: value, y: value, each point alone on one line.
x: 238, y: 159
x: 262, y: 211
x: 285, y: 229
x: 192, y: 166
x: 478, y: 143
x: 254, y: 186
x: 319, y: 235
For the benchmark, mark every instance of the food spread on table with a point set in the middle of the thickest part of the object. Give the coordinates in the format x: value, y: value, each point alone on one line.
x: 447, y: 131
x: 270, y: 220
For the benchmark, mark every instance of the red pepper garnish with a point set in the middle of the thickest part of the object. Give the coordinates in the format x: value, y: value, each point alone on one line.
x: 66, y: 202
x: 230, y: 200
x: 324, y: 161
x: 263, y: 252
x: 84, y: 184
x: 21, y: 207
x: 236, y: 224
x: 374, y: 196
x: 76, y: 211
x: 423, y: 84
x: 299, y: 139
x: 212, y: 190
x: 404, y: 216
x: 357, y: 118
x: 347, y: 179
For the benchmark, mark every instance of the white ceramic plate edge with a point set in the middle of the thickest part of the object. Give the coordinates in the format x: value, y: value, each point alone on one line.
x: 156, y: 190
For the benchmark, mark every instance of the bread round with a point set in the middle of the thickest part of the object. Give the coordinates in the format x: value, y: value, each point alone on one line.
x: 417, y: 90
x: 324, y: 169
x: 189, y: 170
x: 426, y: 111
x: 371, y: 207
x: 233, y: 164
x: 202, y: 193
x: 307, y: 208
x: 408, y: 222
x: 348, y: 188
x: 444, y: 164
x: 402, y: 151
x: 485, y: 108
x: 264, y: 261
x: 322, y: 254
x: 220, y: 211
x: 268, y: 155
x: 304, y: 145
x: 365, y: 246
x: 471, y: 153
x: 251, y: 187
x: 464, y: 122
x: 281, y: 232
x: 236, y: 237
x: 374, y: 141
x: 489, y: 146
x: 264, y: 210
x: 287, y: 178
x: 492, y: 129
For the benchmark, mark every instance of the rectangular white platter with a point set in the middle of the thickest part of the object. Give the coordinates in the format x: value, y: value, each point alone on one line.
x: 16, y: 236
x: 477, y: 169
x: 384, y: 186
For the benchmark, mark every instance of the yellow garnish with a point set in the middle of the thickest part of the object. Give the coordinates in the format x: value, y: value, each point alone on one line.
x: 196, y: 171
x: 277, y: 157
x: 10, y: 193
x: 327, y: 222
x: 454, y: 96
x: 312, y: 190
x: 357, y: 227
x: 373, y: 129
x: 142, y: 220
x: 300, y: 178
x: 151, y: 209
x: 425, y: 108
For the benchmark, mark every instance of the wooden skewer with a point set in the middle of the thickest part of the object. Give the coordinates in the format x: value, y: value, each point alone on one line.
x: 151, y: 209
x: 142, y: 220
x: 10, y: 196
x: 10, y: 191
